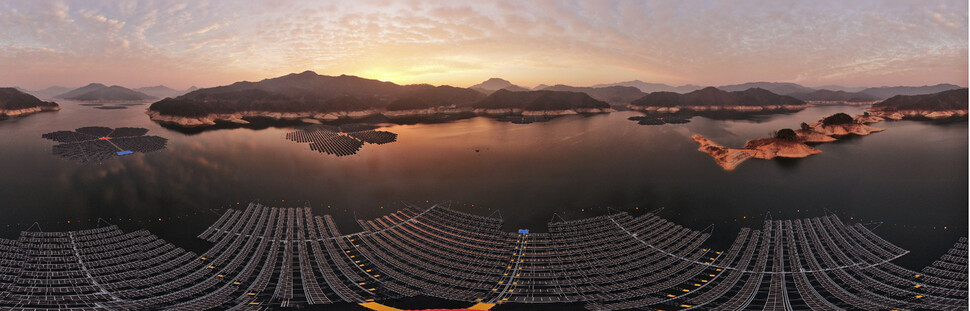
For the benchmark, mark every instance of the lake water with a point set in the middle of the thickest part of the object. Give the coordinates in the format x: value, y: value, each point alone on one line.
x: 912, y: 177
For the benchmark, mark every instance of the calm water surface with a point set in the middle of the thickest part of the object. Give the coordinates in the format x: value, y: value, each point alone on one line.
x: 912, y: 177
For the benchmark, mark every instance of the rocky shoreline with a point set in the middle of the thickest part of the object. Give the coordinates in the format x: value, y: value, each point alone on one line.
x: 764, y: 148
x: 27, y: 111
x: 675, y: 109
x: 918, y: 114
x: 239, y: 117
x: 789, y: 143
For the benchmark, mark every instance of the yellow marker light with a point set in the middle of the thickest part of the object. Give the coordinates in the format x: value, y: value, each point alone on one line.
x: 685, y: 306
x: 685, y: 290
x: 235, y: 283
x: 252, y: 294
x: 212, y: 267
x: 254, y: 303
x: 221, y: 275
x: 368, y: 270
x: 671, y: 295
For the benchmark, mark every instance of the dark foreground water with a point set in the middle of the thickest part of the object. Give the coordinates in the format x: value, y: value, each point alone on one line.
x: 912, y: 177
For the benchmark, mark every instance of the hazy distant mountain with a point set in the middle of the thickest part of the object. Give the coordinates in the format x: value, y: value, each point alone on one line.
x: 81, y: 90
x: 780, y: 88
x: 610, y: 94
x: 834, y: 87
x: 101, y: 92
x: 647, y: 87
x: 828, y: 95
x: 427, y: 96
x: 49, y: 92
x: 540, y: 87
x: 495, y: 84
x: 13, y: 99
x: 162, y: 91
x: 946, y: 100
x: 890, y: 91
x: 539, y: 100
x: 714, y: 97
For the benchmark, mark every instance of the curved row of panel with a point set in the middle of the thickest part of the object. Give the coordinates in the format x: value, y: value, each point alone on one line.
x: 281, y: 257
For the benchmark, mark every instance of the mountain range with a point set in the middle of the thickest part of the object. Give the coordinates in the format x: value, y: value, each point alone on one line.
x: 647, y: 87
x: 945, y: 100
x: 714, y: 97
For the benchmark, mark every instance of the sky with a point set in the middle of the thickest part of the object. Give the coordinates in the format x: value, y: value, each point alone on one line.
x: 210, y: 43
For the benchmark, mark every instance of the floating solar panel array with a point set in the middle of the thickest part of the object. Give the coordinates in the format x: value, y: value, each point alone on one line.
x: 340, y: 140
x: 287, y: 257
x: 97, y: 143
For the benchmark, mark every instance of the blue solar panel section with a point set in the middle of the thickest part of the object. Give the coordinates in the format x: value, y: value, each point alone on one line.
x: 523, y: 231
x: 124, y: 152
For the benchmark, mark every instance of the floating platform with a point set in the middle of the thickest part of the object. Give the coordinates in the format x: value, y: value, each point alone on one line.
x: 97, y: 143
x: 340, y: 140
x: 286, y: 257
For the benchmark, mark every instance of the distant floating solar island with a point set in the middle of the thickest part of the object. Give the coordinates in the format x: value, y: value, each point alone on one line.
x: 342, y: 140
x: 97, y: 143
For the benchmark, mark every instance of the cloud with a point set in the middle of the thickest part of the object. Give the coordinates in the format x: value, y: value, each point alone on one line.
x: 462, y: 42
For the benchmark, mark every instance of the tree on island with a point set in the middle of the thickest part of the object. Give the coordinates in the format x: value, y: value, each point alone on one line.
x: 786, y: 134
x: 806, y: 127
x: 838, y: 118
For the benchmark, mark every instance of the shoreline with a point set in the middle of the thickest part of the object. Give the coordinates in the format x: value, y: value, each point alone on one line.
x: 239, y: 117
x: 675, y: 109
x: 27, y: 111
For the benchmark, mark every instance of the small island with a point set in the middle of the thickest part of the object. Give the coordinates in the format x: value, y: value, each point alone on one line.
x: 787, y: 143
x: 937, y: 106
x: 14, y: 103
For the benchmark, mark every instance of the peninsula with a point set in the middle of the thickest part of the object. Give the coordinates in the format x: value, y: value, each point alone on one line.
x: 312, y: 97
x: 714, y: 99
x: 14, y: 103
x: 942, y: 105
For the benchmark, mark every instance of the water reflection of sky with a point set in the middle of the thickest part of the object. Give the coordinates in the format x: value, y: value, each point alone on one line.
x: 914, y: 174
